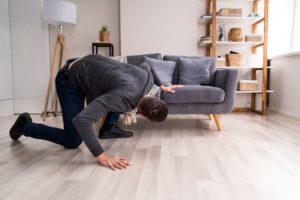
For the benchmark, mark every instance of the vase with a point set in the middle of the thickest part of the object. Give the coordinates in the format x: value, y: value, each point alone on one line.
x: 104, y: 36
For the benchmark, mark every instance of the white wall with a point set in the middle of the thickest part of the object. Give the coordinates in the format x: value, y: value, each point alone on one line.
x: 280, y: 26
x: 6, y: 89
x: 30, y: 53
x: 286, y: 83
x: 168, y: 26
x: 296, y: 31
x: 91, y: 16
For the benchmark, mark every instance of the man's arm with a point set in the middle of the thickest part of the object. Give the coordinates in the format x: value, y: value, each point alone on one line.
x: 170, y: 89
x: 84, y: 124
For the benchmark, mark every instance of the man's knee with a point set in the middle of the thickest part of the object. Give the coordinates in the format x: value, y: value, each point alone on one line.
x: 73, y: 143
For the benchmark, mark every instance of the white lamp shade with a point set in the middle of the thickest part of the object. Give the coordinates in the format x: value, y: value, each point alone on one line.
x: 59, y: 12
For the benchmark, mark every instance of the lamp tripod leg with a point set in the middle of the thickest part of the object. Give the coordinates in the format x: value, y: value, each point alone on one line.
x: 61, y: 53
x: 60, y: 42
x: 63, y: 44
x: 50, y: 81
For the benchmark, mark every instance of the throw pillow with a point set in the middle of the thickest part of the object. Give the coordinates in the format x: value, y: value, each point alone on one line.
x: 163, y: 69
x: 194, y: 71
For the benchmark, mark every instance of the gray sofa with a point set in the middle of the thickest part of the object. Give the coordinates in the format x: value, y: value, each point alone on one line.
x: 215, y: 98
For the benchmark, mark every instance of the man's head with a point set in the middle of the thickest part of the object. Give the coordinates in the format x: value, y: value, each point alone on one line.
x: 153, y: 108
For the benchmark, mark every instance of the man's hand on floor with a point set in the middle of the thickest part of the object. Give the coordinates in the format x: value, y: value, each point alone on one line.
x: 170, y: 89
x: 112, y: 162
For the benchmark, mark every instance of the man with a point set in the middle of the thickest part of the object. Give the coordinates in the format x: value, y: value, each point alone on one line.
x: 110, y: 88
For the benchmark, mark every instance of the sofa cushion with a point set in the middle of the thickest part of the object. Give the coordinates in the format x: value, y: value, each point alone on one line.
x: 139, y: 59
x: 194, y: 71
x: 175, y: 78
x: 195, y: 94
x: 163, y: 69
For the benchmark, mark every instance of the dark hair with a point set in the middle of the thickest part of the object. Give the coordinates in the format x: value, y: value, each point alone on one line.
x: 153, y: 108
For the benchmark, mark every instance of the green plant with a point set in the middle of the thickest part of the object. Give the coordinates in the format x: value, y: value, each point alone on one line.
x: 104, y: 28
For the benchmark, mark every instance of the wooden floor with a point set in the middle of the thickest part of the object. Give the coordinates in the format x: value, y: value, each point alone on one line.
x: 255, y: 158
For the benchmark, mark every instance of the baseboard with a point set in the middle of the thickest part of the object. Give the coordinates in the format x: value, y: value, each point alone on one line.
x: 294, y: 117
x: 6, y: 107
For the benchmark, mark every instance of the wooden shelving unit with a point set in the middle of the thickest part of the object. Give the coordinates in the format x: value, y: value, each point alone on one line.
x: 212, y: 20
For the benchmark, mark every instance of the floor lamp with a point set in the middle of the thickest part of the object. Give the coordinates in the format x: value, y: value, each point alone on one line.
x: 59, y: 13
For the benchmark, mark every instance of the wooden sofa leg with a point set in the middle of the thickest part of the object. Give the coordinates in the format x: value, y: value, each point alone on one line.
x: 218, y: 121
x: 210, y: 116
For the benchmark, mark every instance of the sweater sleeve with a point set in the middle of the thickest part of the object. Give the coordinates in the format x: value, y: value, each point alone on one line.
x: 84, y: 121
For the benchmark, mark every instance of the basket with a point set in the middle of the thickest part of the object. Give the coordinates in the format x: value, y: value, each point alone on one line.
x: 235, y: 35
x: 221, y: 62
x: 233, y: 59
x: 253, y: 38
x: 231, y: 12
x: 247, y: 85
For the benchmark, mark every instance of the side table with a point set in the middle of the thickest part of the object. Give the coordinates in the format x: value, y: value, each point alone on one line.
x: 96, y: 45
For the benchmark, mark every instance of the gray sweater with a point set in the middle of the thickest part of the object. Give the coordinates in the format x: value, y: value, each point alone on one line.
x: 110, y: 86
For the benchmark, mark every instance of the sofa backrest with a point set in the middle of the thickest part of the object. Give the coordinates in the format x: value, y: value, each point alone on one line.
x: 139, y: 59
x: 175, y: 78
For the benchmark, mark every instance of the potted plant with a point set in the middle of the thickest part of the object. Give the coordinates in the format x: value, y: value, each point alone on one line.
x: 104, y: 34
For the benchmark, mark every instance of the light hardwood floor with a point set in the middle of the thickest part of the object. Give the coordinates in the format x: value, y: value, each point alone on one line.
x: 185, y: 157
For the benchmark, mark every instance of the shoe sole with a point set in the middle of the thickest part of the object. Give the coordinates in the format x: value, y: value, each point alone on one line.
x: 115, y: 136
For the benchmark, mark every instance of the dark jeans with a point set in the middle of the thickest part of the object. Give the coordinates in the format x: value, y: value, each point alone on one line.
x: 72, y: 102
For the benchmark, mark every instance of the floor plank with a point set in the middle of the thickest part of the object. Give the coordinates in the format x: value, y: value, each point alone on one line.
x: 185, y: 157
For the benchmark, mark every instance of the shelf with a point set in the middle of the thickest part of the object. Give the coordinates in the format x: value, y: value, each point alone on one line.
x: 218, y: 43
x: 241, y: 67
x: 238, y: 0
x: 205, y: 43
x: 253, y: 92
x: 238, y: 43
x: 232, y: 20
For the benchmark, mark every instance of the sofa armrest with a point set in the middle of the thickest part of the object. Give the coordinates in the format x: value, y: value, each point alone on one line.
x: 226, y: 79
